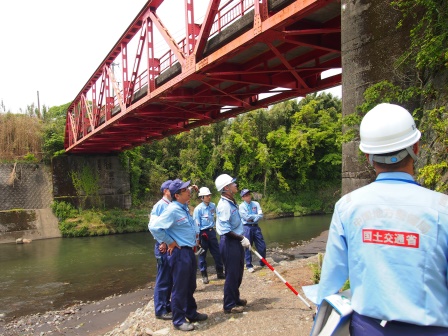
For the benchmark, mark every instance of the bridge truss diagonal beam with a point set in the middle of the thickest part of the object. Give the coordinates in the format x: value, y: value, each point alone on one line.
x: 243, y: 56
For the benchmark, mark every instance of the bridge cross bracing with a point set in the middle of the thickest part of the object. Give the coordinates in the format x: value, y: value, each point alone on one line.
x: 244, y: 55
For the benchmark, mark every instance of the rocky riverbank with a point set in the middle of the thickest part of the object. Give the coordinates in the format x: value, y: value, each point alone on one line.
x: 272, y: 307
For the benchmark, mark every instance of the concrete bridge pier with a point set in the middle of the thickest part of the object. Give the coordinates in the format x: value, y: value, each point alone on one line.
x: 371, y: 43
x: 104, y: 174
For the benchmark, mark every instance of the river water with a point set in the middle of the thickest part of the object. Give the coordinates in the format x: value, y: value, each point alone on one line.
x: 53, y: 273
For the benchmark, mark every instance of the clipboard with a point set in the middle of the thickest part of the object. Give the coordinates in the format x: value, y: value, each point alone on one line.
x: 334, y: 315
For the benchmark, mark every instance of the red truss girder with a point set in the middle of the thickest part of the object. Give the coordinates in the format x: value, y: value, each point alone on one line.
x: 245, y: 55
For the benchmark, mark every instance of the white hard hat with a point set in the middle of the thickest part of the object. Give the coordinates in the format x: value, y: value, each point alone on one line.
x: 204, y: 191
x: 223, y: 180
x: 387, y: 128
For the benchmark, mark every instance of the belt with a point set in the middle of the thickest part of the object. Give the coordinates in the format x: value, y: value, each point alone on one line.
x: 209, y: 229
x: 186, y: 247
x: 380, y: 322
x: 250, y: 224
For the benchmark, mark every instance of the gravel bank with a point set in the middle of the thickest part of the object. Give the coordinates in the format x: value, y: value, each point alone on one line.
x: 272, y: 307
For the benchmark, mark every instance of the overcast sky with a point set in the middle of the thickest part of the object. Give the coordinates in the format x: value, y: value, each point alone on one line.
x: 54, y: 46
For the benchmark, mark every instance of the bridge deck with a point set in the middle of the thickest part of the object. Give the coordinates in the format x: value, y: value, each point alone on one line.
x: 266, y: 53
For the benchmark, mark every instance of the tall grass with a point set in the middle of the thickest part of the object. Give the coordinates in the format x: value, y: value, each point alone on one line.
x: 20, y: 135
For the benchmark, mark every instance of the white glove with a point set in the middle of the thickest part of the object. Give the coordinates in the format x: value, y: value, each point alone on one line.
x: 245, y: 242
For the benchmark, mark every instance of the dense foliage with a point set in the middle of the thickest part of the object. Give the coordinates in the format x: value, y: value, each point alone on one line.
x: 53, y: 132
x: 290, y: 153
x: 429, y: 34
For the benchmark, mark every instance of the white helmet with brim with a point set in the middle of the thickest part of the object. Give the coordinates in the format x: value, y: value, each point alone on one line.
x: 204, y: 191
x: 223, y: 180
x: 388, y: 128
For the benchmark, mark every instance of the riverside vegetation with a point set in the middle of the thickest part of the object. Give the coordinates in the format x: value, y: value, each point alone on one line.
x: 286, y: 153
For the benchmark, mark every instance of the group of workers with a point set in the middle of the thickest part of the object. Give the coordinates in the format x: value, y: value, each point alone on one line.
x: 179, y: 235
x: 389, y: 238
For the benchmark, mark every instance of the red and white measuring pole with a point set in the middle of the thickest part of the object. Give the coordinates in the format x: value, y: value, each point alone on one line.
x: 280, y: 277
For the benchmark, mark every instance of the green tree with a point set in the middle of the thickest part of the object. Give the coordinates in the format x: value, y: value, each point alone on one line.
x: 239, y: 148
x: 290, y: 146
x: 311, y: 149
x: 54, y: 130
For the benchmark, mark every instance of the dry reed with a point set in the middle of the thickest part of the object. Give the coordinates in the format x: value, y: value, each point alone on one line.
x: 13, y: 176
x: 20, y: 134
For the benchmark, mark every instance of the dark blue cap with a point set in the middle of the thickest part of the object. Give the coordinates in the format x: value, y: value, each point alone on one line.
x: 244, y: 192
x: 177, y: 185
x: 165, y: 185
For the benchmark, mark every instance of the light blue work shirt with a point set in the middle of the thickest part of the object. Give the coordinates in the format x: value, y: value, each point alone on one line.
x: 391, y: 238
x: 157, y: 210
x: 204, y: 215
x: 228, y: 217
x: 175, y: 224
x: 250, y: 212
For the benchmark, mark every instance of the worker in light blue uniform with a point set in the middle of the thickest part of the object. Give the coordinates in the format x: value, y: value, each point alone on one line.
x: 251, y: 213
x: 176, y: 228
x: 390, y: 238
x: 164, y: 282
x: 204, y: 217
x: 232, y: 243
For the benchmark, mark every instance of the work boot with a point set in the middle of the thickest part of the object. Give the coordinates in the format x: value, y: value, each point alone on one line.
x: 241, y: 302
x: 204, y: 277
x: 185, y: 326
x: 166, y: 316
x: 234, y: 310
x: 220, y: 274
x: 199, y: 317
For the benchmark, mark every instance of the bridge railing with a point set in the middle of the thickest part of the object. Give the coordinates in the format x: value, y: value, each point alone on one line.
x: 227, y: 14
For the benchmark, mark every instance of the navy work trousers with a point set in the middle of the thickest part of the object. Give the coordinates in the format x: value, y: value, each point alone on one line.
x: 183, y: 269
x: 164, y: 283
x: 210, y: 243
x: 253, y: 233
x: 366, y: 326
x: 232, y: 254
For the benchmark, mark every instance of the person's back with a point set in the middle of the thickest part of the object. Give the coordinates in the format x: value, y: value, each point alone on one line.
x: 397, y: 237
x: 157, y: 210
x: 390, y: 238
x: 164, y: 283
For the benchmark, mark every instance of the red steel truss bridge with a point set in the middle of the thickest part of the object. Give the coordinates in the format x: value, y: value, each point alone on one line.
x: 244, y: 55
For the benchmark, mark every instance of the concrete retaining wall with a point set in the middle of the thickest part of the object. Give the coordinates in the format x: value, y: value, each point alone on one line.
x: 27, y: 191
x: 28, y: 224
x: 25, y: 198
x: 25, y: 186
